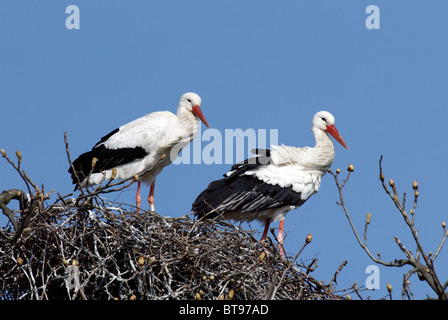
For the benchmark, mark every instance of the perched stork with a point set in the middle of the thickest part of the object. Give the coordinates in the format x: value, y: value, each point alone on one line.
x: 274, y: 182
x: 142, y: 147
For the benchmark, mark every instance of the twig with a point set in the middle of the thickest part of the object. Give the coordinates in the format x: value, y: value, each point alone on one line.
x: 290, y: 264
x: 343, y: 264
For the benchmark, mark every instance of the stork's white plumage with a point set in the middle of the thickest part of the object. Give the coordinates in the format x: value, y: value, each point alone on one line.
x: 142, y: 147
x: 274, y: 182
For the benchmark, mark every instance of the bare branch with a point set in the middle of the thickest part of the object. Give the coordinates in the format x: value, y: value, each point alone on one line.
x: 425, y: 271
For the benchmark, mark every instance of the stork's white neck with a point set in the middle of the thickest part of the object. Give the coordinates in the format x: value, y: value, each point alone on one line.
x: 322, y: 155
x: 185, y: 115
x: 188, y: 124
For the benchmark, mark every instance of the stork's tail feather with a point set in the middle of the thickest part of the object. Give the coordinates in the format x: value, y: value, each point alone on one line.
x: 83, y: 166
x: 105, y: 159
x: 210, y: 199
x: 243, y: 194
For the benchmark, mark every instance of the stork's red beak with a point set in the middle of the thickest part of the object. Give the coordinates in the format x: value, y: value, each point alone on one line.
x: 331, y: 129
x: 198, y: 113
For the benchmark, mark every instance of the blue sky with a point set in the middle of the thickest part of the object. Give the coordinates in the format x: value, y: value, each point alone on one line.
x: 256, y: 64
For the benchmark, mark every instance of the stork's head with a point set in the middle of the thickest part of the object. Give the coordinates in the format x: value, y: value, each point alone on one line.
x: 191, y: 102
x: 324, y: 120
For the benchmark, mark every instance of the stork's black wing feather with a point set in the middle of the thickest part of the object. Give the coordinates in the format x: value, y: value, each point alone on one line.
x: 244, y: 193
x: 106, y: 158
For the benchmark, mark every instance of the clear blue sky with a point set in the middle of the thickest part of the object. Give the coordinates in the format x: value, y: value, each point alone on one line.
x: 256, y: 64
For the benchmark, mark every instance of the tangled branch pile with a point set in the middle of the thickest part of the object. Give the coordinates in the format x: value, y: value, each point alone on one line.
x: 106, y: 252
x: 90, y: 248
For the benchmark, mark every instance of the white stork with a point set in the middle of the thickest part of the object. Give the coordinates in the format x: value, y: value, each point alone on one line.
x: 274, y: 182
x: 141, y: 147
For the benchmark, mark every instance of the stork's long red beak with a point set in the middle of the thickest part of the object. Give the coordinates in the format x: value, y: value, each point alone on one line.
x: 198, y: 113
x: 331, y: 129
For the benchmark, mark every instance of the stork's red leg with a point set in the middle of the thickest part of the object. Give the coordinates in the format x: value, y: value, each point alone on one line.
x: 151, y: 196
x: 138, y: 199
x: 266, y: 228
x: 280, y: 238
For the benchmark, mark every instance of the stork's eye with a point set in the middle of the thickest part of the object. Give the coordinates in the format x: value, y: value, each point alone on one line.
x: 189, y: 100
x: 325, y: 120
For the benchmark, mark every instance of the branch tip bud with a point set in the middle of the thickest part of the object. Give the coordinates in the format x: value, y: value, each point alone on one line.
x: 114, y: 173
x: 94, y: 161
x: 309, y: 237
x: 350, y: 168
x: 368, y: 217
x: 389, y: 288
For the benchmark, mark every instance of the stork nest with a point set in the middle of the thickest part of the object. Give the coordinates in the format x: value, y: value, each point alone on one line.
x: 90, y: 248
x: 103, y: 251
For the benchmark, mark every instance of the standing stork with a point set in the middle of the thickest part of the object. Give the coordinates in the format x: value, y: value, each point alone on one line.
x: 142, y: 147
x: 274, y: 182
